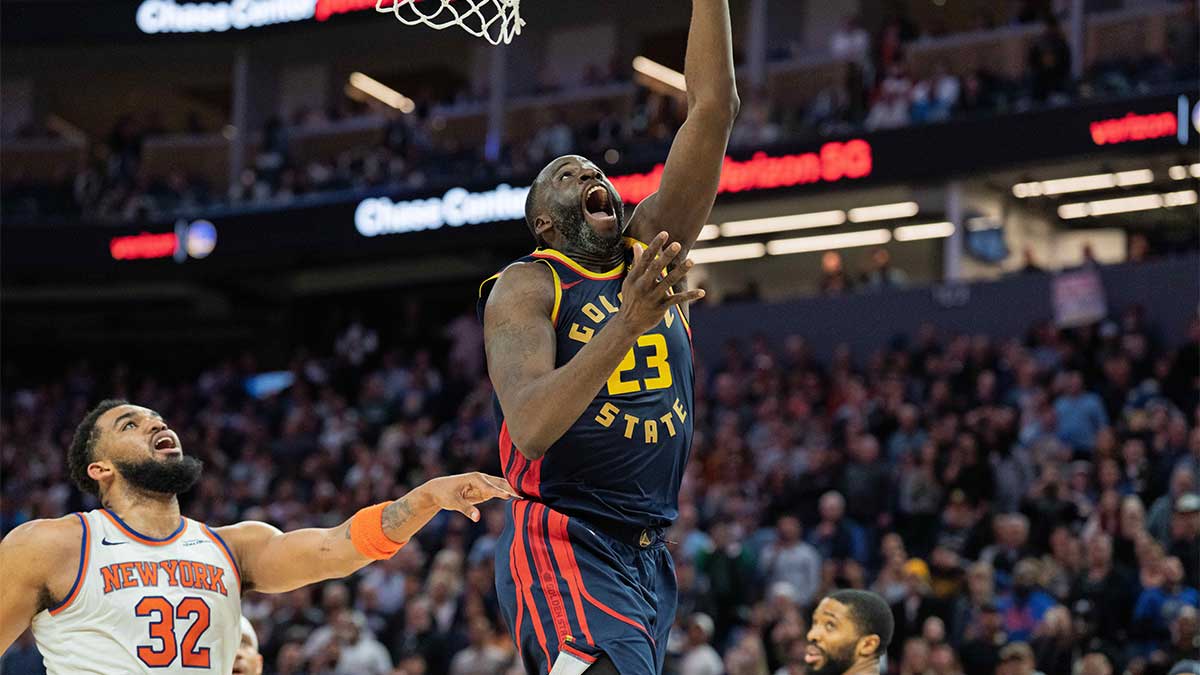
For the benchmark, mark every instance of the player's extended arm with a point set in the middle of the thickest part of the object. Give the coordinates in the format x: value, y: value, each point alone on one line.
x: 271, y: 561
x: 693, y: 169
x: 32, y: 557
x: 541, y: 402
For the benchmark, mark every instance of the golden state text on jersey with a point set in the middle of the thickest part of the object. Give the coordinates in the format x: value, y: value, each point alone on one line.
x: 623, y: 460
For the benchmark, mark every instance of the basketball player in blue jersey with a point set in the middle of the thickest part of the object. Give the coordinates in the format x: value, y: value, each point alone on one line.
x: 589, y: 351
x: 135, y: 587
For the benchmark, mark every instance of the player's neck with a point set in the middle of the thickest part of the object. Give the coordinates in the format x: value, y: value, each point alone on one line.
x: 864, y: 668
x: 150, y: 513
x: 595, y: 262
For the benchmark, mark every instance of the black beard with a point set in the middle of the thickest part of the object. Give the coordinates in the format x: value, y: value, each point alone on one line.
x: 582, y: 238
x: 836, y: 664
x: 170, y: 477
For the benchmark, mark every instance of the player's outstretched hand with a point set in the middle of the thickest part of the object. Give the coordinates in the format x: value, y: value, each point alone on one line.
x: 463, y: 491
x: 646, y: 293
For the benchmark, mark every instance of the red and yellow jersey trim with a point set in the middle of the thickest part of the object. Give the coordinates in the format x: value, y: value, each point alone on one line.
x: 551, y: 254
x: 557, y: 294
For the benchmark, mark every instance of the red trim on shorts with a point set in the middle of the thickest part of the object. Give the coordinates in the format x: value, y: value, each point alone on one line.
x: 545, y: 570
x: 586, y: 658
x: 558, y: 540
x: 512, y: 568
x: 85, y: 553
x: 531, y: 482
x: 526, y: 576
x: 600, y: 605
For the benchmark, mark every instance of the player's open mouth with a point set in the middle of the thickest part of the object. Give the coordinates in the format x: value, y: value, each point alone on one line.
x: 598, y: 207
x: 164, y: 442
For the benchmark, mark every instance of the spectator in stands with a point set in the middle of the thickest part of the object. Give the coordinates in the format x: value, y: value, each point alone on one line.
x: 1050, y: 64
x: 483, y: 655
x: 980, y: 652
x: 915, y: 657
x: 892, y: 106
x: 699, y: 657
x: 357, y: 651
x: 851, y: 43
x: 729, y: 568
x: 1095, y: 663
x: 917, y: 606
x: 1080, y: 414
x: 834, y: 279
x: 791, y: 560
x: 1103, y: 594
x: 836, y: 537
x: 881, y: 274
x: 1026, y: 605
x: 1185, y: 635
x: 1016, y: 658
x: 1157, y: 607
x: 1185, y: 535
x: 1012, y: 536
x: 1053, y: 642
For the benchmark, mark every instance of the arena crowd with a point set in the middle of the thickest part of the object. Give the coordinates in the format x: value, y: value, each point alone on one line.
x: 1025, y: 505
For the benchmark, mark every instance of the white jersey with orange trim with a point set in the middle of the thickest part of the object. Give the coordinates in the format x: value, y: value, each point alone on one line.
x: 145, y: 605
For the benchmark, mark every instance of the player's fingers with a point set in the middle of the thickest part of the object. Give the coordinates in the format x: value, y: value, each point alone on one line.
x: 465, y: 507
x: 494, y: 487
x: 685, y: 297
x: 676, y: 275
x: 654, y: 273
x: 651, y: 253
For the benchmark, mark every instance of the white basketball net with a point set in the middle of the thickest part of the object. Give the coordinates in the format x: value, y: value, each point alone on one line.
x: 493, y: 20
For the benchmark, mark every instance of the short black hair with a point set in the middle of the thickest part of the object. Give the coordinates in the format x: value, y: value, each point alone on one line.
x: 79, y: 455
x: 870, y: 612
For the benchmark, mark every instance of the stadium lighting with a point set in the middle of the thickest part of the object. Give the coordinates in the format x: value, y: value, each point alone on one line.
x: 828, y: 242
x: 1097, y: 181
x: 926, y: 231
x: 1106, y: 207
x: 801, y: 221
x: 1180, y: 172
x: 655, y: 70
x: 709, y: 232
x: 702, y: 256
x: 864, y: 214
x: 381, y: 92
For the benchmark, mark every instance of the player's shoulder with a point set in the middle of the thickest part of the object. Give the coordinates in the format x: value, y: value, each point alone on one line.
x: 245, y: 533
x: 522, y: 284
x: 47, y: 539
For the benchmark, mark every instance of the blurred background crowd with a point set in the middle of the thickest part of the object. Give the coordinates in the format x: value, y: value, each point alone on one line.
x: 1024, y: 505
x: 880, y: 89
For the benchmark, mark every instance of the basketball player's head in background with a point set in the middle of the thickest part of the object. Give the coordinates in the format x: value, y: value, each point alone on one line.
x: 248, y: 661
x: 572, y: 207
x: 127, y: 448
x: 850, y: 633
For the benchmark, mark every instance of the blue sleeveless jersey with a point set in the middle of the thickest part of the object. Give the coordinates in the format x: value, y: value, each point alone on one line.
x: 623, y: 460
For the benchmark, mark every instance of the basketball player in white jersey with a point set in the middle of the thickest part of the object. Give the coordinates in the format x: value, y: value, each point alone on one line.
x: 135, y: 587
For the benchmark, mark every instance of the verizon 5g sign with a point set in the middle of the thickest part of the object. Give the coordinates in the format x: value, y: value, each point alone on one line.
x: 380, y: 215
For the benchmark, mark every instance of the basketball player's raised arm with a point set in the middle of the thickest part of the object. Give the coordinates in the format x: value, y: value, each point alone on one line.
x: 271, y: 561
x: 38, y: 561
x: 540, y: 401
x: 693, y: 168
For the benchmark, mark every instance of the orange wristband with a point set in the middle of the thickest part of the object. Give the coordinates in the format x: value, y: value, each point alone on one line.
x: 366, y: 531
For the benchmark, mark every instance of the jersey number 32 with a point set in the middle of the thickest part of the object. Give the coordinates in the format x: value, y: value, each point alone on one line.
x: 162, y: 629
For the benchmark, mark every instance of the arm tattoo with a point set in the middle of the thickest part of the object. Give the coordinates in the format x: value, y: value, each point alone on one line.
x: 396, y: 515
